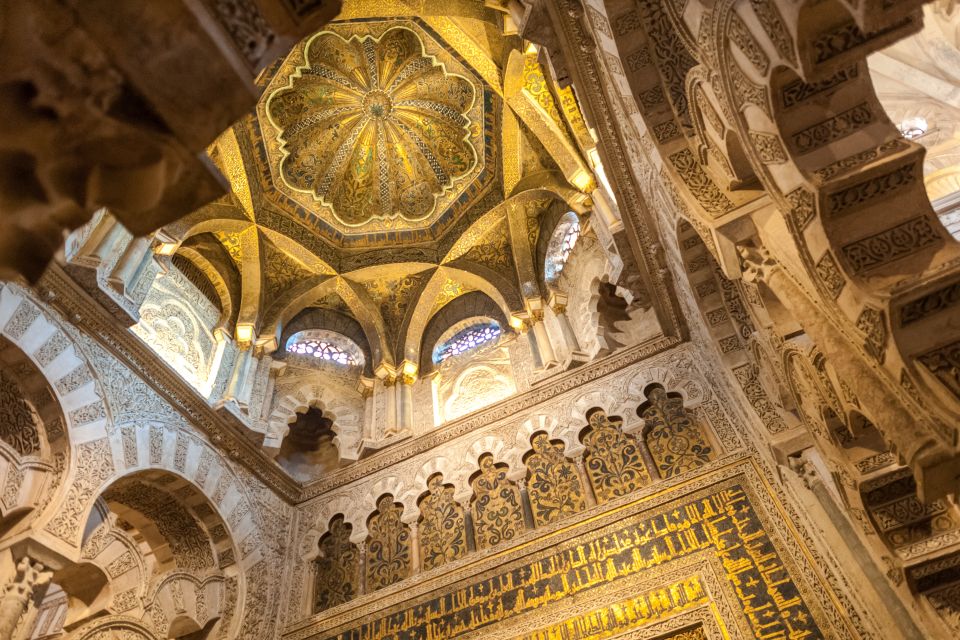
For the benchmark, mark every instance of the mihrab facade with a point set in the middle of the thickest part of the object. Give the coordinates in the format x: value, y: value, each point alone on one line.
x: 539, y: 319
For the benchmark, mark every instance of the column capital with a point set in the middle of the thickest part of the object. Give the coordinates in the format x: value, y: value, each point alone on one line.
x: 558, y: 301
x: 408, y: 372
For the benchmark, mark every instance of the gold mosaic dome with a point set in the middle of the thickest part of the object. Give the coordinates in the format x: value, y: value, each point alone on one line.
x: 374, y: 128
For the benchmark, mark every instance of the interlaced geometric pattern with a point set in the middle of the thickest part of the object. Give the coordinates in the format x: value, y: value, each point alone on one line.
x: 561, y: 244
x: 308, y: 344
x: 467, y: 340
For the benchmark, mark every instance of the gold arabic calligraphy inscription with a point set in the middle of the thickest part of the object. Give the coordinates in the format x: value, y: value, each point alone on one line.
x: 723, y: 523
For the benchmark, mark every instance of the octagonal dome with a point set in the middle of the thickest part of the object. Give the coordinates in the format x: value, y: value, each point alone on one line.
x: 374, y: 127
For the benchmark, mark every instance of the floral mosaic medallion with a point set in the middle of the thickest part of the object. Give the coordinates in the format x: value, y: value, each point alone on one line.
x: 379, y: 130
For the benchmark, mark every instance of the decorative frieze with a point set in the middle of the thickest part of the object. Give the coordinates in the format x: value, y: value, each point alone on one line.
x: 768, y: 147
x: 797, y: 91
x: 802, y: 207
x: 831, y: 129
x: 930, y: 304
x: 944, y: 363
x: 870, y: 190
x: 891, y: 244
x: 700, y: 185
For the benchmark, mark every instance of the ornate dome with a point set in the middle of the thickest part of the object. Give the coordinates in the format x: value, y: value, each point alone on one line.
x: 375, y: 127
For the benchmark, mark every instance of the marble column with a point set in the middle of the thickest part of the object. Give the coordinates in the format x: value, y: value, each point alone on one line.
x: 414, y: 548
x: 392, y: 419
x: 558, y: 302
x: 362, y: 559
x: 31, y: 578
x: 468, y: 525
x: 405, y: 406
x: 241, y: 380
x: 100, y: 243
x: 585, y: 481
x: 123, y: 278
x: 525, y: 503
x: 545, y: 350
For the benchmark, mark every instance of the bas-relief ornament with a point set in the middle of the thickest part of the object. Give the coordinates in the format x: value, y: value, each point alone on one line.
x: 496, y: 506
x: 944, y: 363
x: 337, y: 567
x: 442, y: 530
x: 19, y: 422
x: 388, y: 547
x: 189, y: 543
x: 872, y: 322
x: 932, y: 303
x: 676, y: 443
x: 94, y: 462
x: 830, y: 275
x: 553, y: 482
x: 902, y: 240
x: 869, y: 191
x: 841, y: 125
x: 613, y: 460
x: 748, y: 375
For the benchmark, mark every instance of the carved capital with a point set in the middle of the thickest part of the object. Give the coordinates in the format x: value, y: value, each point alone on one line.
x: 757, y: 264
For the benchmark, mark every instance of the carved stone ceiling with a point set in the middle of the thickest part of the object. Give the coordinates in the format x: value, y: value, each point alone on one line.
x: 408, y: 149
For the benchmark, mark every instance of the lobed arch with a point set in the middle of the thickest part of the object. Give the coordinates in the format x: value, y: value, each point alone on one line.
x: 347, y: 507
x: 333, y: 401
x: 452, y: 473
x: 77, y: 407
x: 389, y: 486
x: 153, y: 545
x: 691, y: 391
x: 845, y: 212
x: 590, y: 402
x: 550, y: 425
x: 179, y: 462
x: 488, y: 445
x: 113, y: 627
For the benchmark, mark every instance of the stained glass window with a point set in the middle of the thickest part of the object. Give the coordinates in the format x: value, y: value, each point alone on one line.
x: 325, y: 345
x: 564, y: 238
x: 467, y: 339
